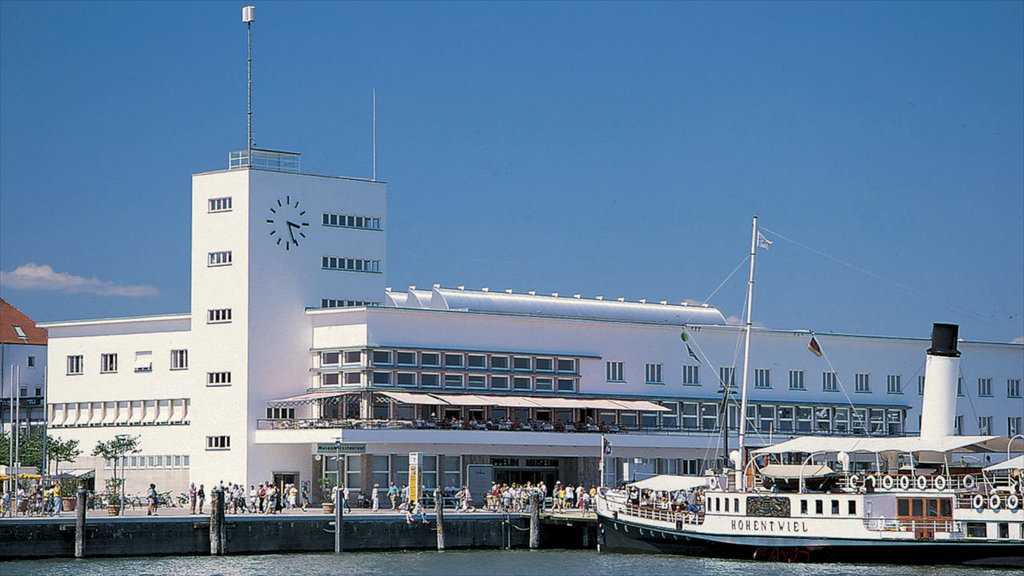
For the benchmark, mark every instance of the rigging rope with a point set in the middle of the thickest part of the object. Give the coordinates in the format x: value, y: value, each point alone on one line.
x: 906, y: 289
x: 731, y: 274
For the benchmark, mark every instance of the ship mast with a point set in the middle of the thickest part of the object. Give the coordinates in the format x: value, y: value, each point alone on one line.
x: 746, y: 357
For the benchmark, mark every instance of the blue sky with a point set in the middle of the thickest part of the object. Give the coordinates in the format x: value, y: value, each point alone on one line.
x: 615, y: 149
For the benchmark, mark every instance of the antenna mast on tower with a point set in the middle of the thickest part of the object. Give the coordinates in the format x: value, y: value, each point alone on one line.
x: 248, y: 17
x: 374, y: 134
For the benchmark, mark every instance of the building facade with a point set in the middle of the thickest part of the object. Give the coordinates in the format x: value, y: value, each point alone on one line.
x: 295, y: 364
x: 22, y: 369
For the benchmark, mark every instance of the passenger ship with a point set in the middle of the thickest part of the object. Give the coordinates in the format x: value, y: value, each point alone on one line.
x: 897, y: 500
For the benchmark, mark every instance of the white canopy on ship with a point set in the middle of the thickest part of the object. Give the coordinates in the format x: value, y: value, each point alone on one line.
x: 904, y: 445
x: 796, y: 471
x: 1011, y: 464
x: 671, y: 483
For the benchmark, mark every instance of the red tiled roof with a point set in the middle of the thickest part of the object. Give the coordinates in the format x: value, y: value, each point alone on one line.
x: 11, y: 317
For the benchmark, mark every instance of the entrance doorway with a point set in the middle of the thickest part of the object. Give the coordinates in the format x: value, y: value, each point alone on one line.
x: 283, y: 481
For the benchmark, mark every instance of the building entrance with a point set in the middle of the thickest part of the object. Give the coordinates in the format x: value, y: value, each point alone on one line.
x: 513, y: 470
x: 282, y: 479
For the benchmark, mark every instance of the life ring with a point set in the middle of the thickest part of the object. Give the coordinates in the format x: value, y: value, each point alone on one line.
x: 940, y: 483
x: 873, y: 479
x: 1012, y: 501
x: 922, y: 483
x: 969, y: 482
x: 854, y: 479
x: 904, y: 482
x: 978, y: 501
x: 888, y: 482
x: 994, y: 502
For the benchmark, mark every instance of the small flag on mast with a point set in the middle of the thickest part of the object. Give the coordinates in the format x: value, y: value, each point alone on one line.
x: 763, y: 242
x: 814, y: 347
x: 606, y: 446
x: 692, y: 355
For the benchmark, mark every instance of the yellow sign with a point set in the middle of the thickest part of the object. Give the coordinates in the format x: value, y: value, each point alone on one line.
x: 415, y: 478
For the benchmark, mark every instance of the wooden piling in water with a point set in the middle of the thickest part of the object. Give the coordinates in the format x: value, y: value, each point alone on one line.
x: 534, y: 521
x: 439, y: 508
x: 218, y: 532
x: 80, y: 524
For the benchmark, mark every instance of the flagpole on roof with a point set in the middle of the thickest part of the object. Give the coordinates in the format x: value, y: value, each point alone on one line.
x: 746, y: 354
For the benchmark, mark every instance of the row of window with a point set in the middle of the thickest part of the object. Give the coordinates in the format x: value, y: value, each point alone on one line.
x: 219, y: 204
x: 339, y: 303
x: 143, y: 362
x: 218, y: 442
x: 222, y: 258
x: 218, y: 316
x: 385, y: 469
x: 459, y: 360
x: 350, y: 221
x: 690, y: 376
x: 985, y: 427
x: 140, y: 462
x: 350, y: 264
x: 450, y: 380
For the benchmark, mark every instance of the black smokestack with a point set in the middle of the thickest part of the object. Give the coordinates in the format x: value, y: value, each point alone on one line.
x: 944, y: 340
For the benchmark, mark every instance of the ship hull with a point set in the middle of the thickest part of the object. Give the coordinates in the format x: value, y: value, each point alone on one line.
x: 626, y: 537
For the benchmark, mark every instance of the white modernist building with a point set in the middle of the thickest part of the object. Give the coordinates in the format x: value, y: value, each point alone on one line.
x: 295, y: 363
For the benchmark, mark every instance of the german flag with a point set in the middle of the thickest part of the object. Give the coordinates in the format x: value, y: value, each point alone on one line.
x: 814, y: 347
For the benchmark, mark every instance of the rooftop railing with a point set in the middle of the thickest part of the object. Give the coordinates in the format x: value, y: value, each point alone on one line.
x: 272, y: 160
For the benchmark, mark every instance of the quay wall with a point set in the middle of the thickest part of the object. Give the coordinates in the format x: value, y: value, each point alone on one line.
x: 51, y: 537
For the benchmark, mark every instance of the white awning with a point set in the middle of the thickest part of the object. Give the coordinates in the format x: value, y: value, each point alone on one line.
x: 109, y: 413
x: 670, y: 483
x: 138, y: 411
x: 1011, y: 464
x: 123, y: 412
x: 59, y: 415
x: 143, y: 361
x: 796, y: 471
x: 877, y: 445
x: 165, y: 411
x: 177, y: 410
x: 152, y: 411
x: 97, y: 414
x: 304, y: 399
x: 414, y: 398
x: 641, y: 405
x: 466, y: 399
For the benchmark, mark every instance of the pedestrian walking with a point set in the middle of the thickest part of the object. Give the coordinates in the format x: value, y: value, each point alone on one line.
x: 153, y: 500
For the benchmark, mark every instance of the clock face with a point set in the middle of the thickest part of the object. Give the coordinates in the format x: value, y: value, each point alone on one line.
x: 287, y: 223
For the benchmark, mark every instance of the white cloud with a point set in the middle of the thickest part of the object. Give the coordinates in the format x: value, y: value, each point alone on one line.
x: 1017, y: 340
x: 33, y: 276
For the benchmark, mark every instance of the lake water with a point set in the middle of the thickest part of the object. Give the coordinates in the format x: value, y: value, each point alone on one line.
x: 457, y: 563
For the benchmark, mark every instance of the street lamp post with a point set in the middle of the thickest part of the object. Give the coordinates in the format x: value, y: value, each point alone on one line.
x: 121, y: 439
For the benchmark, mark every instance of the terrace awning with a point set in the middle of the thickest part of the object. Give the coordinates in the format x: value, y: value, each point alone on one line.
x: 305, y: 399
x: 414, y: 398
x: 642, y: 405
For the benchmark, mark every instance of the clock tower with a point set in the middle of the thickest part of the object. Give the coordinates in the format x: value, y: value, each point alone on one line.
x: 269, y: 242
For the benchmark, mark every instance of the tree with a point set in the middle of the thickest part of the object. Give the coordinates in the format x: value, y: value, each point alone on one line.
x: 58, y: 451
x: 30, y: 447
x: 114, y: 450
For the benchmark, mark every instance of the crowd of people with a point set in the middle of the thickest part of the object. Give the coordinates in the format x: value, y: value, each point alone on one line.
x: 265, y: 498
x: 516, y: 497
x: 35, y: 501
x: 690, y: 500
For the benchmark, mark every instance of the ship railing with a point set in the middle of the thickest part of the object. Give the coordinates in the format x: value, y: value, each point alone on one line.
x: 882, y: 524
x: 949, y: 483
x: 662, y: 515
x: 999, y: 498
